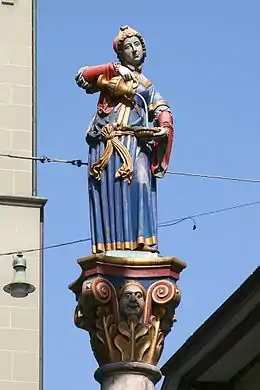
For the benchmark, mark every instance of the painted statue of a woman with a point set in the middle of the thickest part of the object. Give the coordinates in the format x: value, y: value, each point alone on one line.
x: 126, y: 156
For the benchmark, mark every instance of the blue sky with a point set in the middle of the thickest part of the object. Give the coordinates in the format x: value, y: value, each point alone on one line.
x: 203, y: 56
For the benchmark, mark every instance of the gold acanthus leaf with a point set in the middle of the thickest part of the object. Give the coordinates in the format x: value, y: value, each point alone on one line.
x: 101, y: 337
x: 141, y: 347
x: 132, y: 341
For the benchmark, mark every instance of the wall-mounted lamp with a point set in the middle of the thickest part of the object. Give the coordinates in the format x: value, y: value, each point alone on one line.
x: 19, y: 287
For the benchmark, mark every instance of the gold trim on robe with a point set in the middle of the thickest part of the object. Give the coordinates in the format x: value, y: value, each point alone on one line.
x: 128, y: 245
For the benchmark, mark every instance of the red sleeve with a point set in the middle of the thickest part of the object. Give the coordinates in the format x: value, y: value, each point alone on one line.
x: 92, y: 73
x: 162, y: 150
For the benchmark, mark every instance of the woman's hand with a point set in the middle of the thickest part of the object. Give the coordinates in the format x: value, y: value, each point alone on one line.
x: 81, y: 82
x: 126, y: 73
x: 160, y: 134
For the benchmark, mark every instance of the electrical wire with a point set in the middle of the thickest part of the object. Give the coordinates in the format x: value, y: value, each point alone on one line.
x: 44, y: 159
x: 199, y: 215
x: 79, y: 163
x: 219, y: 177
x: 47, y: 247
x: 161, y: 225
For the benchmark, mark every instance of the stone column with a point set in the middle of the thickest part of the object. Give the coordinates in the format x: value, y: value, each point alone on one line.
x: 128, y: 376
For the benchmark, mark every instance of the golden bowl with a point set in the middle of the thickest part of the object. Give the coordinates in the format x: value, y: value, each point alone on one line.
x: 146, y: 132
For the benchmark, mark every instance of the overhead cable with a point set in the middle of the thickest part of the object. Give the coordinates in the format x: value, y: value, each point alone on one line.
x: 199, y: 215
x: 47, y: 247
x: 79, y: 163
x: 44, y: 159
x: 161, y: 224
x: 219, y: 177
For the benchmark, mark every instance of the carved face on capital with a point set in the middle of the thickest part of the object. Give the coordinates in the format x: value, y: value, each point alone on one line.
x: 131, y: 300
x: 132, y: 52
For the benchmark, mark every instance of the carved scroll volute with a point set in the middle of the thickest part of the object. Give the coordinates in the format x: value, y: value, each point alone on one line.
x: 162, y: 298
x: 106, y: 320
x: 83, y: 317
x: 95, y: 293
x: 104, y: 293
x: 79, y: 319
x: 161, y: 292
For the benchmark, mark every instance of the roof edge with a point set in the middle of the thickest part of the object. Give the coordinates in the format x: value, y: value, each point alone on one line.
x: 224, y: 312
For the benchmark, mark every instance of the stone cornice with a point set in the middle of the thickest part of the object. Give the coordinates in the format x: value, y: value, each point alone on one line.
x: 22, y: 201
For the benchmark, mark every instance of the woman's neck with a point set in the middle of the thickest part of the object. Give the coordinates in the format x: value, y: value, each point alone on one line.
x: 133, y: 68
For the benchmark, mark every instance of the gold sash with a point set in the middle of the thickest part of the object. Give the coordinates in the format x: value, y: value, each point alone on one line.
x: 109, y: 133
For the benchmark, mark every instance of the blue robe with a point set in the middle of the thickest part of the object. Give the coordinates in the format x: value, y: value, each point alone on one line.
x: 123, y: 216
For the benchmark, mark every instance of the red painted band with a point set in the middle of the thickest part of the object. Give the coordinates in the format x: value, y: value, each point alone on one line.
x: 131, y: 272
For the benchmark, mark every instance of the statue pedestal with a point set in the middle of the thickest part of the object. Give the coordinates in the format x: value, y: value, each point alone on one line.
x: 128, y: 376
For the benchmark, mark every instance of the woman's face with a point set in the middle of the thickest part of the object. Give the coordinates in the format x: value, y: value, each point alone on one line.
x: 132, y: 51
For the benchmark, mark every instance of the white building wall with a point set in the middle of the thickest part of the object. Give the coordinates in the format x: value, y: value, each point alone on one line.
x: 20, y: 336
x: 21, y: 214
x: 16, y: 96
